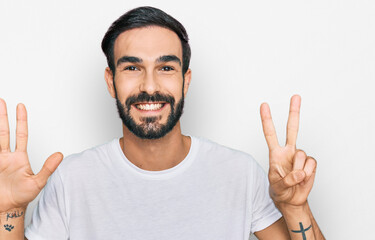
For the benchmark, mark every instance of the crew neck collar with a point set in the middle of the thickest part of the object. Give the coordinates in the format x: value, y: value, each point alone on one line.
x: 167, y: 173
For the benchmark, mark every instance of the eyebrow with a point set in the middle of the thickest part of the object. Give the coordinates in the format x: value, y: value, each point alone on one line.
x: 168, y: 58
x: 130, y: 59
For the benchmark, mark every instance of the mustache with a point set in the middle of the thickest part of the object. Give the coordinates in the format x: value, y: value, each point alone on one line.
x: 145, y: 97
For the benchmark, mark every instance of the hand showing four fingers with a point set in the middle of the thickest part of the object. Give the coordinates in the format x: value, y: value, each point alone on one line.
x: 18, y: 184
x: 291, y: 172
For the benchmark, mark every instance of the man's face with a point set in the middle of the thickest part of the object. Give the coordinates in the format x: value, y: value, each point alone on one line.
x: 149, y: 82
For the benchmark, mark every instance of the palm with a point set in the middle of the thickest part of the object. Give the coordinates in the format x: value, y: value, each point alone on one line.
x: 291, y: 172
x: 18, y: 184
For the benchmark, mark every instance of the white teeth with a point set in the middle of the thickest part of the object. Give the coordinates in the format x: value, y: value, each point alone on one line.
x: 150, y: 107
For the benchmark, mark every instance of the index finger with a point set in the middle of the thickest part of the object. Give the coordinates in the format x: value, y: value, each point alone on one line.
x: 293, y: 120
x: 21, y: 129
x: 4, y: 127
x: 268, y: 127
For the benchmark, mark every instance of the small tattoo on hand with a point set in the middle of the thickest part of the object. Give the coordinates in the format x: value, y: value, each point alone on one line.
x: 8, y: 227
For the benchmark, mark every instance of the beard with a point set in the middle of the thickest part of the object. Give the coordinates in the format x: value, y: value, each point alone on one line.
x: 150, y: 128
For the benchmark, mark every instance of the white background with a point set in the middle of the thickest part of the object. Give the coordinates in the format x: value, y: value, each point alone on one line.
x: 243, y: 53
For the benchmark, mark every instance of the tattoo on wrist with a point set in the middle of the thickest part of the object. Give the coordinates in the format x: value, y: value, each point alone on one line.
x: 8, y: 227
x: 302, y: 230
x: 15, y: 214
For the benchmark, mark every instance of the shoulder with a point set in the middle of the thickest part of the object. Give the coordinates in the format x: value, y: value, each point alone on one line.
x: 217, y: 153
x: 89, y: 158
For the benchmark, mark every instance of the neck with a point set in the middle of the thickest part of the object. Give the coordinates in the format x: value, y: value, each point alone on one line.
x: 155, y: 154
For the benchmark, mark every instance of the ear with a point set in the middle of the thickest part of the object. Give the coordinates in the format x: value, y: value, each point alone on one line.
x: 187, y: 81
x: 109, y: 79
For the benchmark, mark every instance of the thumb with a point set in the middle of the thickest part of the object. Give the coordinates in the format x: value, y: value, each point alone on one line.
x: 48, y: 168
x: 293, y: 178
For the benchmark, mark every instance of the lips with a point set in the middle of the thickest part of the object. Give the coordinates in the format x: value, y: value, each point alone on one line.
x: 150, y: 106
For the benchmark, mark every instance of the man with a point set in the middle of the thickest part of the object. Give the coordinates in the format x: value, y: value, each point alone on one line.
x: 154, y: 182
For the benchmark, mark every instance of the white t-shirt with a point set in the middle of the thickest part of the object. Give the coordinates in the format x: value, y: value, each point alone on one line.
x: 214, y: 193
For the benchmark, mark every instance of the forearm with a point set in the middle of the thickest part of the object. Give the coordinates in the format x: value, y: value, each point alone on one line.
x: 301, y: 223
x: 12, y: 224
x: 315, y: 227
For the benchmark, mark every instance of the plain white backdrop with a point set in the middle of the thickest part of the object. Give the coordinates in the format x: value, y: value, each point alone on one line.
x: 243, y: 53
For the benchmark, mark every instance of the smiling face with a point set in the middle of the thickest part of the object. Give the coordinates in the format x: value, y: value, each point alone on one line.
x: 149, y: 84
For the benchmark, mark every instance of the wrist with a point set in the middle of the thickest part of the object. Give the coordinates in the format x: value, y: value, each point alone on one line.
x: 12, y: 224
x: 292, y: 209
x: 13, y: 214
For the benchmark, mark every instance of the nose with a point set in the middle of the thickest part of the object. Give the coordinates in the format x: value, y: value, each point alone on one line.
x: 150, y: 83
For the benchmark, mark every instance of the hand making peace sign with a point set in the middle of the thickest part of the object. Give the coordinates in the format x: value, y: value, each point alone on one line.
x: 18, y: 184
x: 291, y: 173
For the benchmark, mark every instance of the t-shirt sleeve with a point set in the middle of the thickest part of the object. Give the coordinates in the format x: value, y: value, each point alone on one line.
x: 264, y: 211
x: 49, y: 217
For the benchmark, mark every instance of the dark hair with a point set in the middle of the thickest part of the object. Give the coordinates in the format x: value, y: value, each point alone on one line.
x: 144, y: 17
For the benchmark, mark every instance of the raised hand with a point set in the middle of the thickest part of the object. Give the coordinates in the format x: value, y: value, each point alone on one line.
x: 18, y: 184
x: 291, y: 173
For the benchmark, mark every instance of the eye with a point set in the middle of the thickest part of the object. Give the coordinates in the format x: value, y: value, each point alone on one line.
x: 131, y: 68
x: 167, y: 68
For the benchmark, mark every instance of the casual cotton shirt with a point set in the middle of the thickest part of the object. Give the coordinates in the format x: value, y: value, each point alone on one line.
x: 214, y: 193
